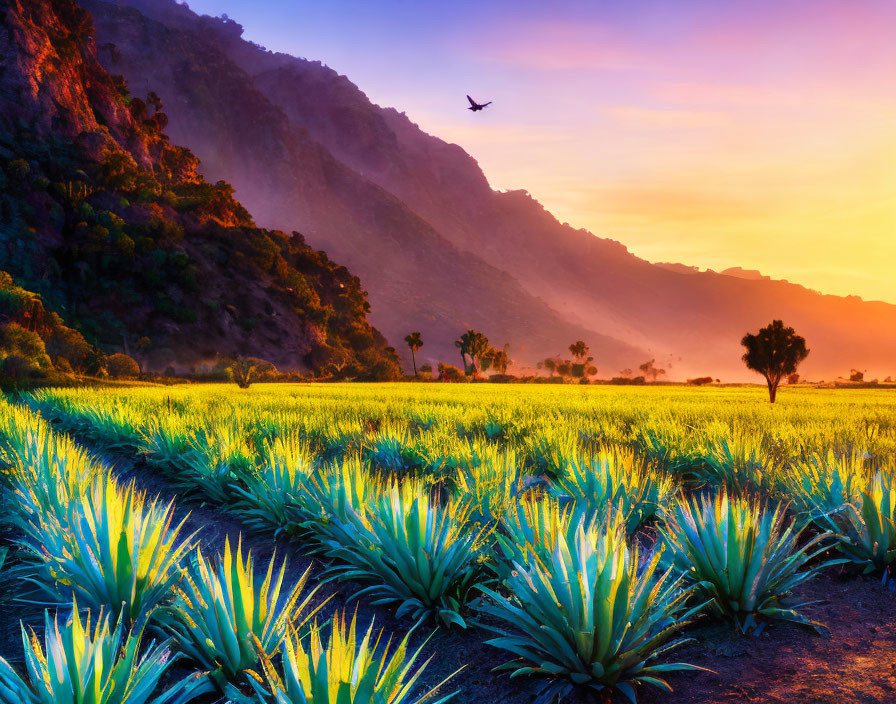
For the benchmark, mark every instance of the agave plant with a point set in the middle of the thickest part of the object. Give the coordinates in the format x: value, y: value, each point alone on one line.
x: 820, y: 484
x: 81, y: 664
x: 344, y: 671
x: 334, y: 493
x: 865, y: 528
x: 47, y: 470
x: 551, y: 450
x: 111, y: 424
x: 588, y: 617
x: 740, y: 463
x: 395, y: 450
x: 113, y: 551
x: 165, y: 441
x: 420, y: 554
x: 614, y: 479
x: 223, y: 620
x: 671, y: 446
x: 219, y: 459
x: 270, y: 499
x: 490, y: 482
x: 739, y: 553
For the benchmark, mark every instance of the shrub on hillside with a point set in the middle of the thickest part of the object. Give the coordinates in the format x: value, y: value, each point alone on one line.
x: 448, y: 372
x: 121, y: 366
x: 625, y: 380
x: 18, y: 342
x: 70, y: 345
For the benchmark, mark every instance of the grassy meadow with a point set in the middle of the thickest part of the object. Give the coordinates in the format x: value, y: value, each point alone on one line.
x: 579, y: 533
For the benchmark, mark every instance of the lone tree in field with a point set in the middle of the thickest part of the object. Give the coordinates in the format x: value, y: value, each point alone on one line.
x: 242, y: 371
x: 415, y: 343
x: 775, y: 352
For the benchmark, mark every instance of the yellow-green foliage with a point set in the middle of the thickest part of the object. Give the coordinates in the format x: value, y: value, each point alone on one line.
x: 83, y: 664
x: 113, y: 549
x: 344, y: 671
x: 223, y: 618
x: 396, y: 485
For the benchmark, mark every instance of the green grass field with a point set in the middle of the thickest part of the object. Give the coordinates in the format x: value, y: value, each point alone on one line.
x: 583, y: 531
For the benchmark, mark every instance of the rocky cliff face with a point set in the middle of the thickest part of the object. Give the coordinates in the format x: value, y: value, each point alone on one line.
x: 439, y: 250
x: 115, y: 227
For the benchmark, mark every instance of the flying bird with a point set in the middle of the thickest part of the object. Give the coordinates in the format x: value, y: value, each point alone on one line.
x: 475, y: 107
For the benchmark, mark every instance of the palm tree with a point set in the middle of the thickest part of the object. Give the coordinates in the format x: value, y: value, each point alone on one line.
x: 415, y: 343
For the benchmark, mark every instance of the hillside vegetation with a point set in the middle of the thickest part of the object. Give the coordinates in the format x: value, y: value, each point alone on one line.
x: 114, y: 227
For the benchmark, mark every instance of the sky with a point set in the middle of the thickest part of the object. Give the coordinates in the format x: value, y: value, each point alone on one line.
x: 759, y: 134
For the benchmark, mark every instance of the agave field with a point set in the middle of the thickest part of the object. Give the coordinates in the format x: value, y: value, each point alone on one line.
x: 434, y: 542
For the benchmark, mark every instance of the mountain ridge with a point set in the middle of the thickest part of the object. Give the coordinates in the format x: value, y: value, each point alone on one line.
x: 590, y: 285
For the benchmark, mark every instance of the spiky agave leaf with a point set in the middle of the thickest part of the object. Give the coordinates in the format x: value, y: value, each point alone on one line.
x: 865, y: 528
x: 490, y: 482
x: 588, y: 617
x: 739, y: 462
x: 532, y: 527
x: 270, y: 499
x: 46, y: 470
x: 614, y: 478
x: 80, y: 664
x: 222, y: 616
x: 344, y: 671
x: 820, y: 484
x: 414, y: 552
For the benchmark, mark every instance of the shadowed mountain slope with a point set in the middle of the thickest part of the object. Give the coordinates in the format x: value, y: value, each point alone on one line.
x: 113, y: 225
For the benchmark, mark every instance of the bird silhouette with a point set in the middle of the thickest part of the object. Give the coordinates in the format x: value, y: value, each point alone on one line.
x: 476, y: 107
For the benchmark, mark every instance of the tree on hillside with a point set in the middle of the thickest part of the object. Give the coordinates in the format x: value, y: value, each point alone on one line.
x: 121, y: 366
x: 415, y: 343
x: 245, y: 370
x: 775, y: 352
x: 474, y: 345
x: 652, y: 371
